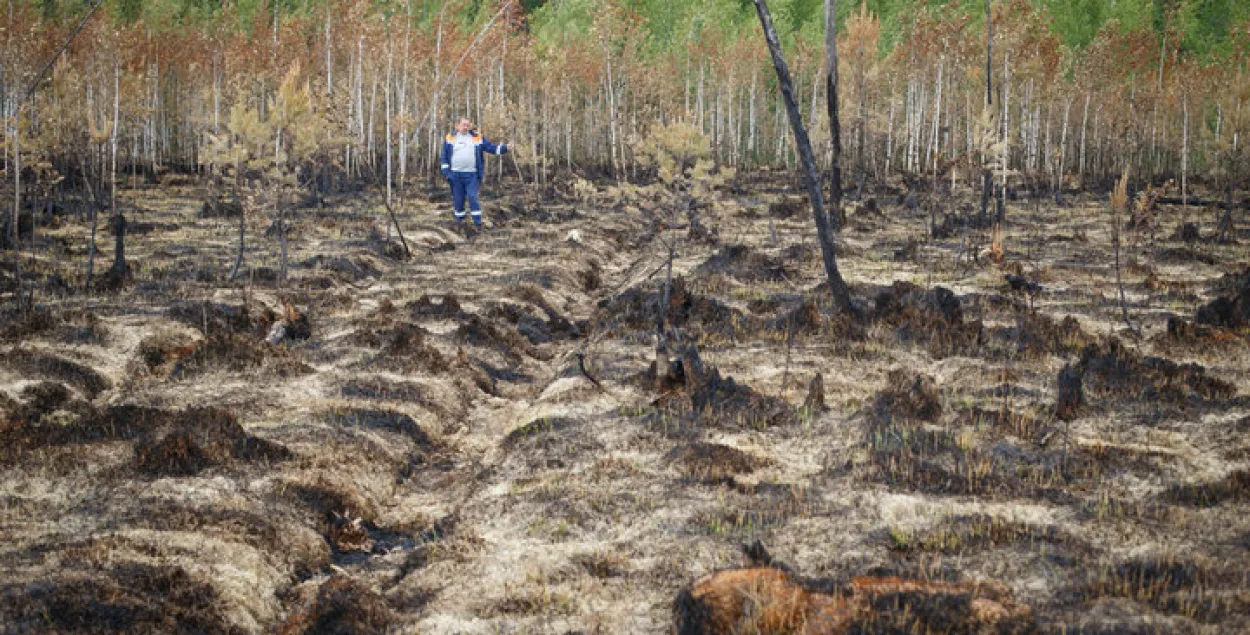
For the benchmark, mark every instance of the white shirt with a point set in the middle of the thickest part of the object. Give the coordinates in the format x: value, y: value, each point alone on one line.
x: 463, y: 154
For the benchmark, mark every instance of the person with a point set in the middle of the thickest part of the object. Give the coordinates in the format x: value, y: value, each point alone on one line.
x: 463, y: 167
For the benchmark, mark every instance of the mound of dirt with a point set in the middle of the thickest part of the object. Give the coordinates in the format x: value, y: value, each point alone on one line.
x: 406, y: 339
x: 1169, y: 585
x: 535, y: 328
x: 388, y: 420
x: 71, y: 326
x: 1234, y: 487
x: 1110, y: 369
x: 159, y: 352
x: 1185, y: 333
x: 907, y: 397
x: 698, y: 393
x: 550, y: 443
x: 477, y: 331
x: 186, y: 443
x: 215, y: 317
x: 45, y: 398
x: 238, y: 353
x: 326, y: 498
x: 342, y: 605
x: 1037, y: 334
x: 713, y: 462
x: 636, y: 310
x: 35, y: 363
x: 115, y: 423
x: 408, y: 352
x: 130, y: 597
x: 747, y: 265
x: 1230, y: 311
x: 351, y: 269
x: 539, y: 427
x: 909, y: 454
x: 931, y: 317
x: 425, y: 307
x: 556, y: 324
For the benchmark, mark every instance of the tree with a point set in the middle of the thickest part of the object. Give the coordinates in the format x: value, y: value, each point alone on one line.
x: 841, y: 294
x: 987, y: 175
x: 831, y: 103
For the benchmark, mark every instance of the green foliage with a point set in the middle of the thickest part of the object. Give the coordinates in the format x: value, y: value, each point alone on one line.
x: 1207, y: 25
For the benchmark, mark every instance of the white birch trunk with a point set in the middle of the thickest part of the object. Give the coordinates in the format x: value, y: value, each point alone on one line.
x: 329, y: 54
x: 937, y: 117
x: 389, y: 66
x: 1185, y: 153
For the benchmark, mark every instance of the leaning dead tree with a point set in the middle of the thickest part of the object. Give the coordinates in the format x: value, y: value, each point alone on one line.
x: 841, y: 295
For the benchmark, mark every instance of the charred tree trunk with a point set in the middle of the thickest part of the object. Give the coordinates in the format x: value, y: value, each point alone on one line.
x: 1227, y: 231
x: 837, y: 285
x: 119, y: 273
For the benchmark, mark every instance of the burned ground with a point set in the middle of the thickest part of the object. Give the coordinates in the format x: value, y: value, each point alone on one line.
x: 474, y: 439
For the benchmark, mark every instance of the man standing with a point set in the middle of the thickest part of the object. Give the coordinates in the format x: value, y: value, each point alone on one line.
x: 463, y: 167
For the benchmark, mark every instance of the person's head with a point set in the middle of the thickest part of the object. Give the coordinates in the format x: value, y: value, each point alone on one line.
x: 463, y: 125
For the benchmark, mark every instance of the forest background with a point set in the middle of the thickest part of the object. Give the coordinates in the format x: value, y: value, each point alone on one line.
x: 333, y: 91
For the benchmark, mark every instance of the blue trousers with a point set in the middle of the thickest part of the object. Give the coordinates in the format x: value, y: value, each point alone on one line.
x: 464, y: 185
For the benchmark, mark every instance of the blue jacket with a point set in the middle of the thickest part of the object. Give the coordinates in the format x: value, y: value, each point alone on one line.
x: 481, y: 145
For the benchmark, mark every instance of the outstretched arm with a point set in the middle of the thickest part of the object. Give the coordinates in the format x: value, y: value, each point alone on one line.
x: 492, y: 148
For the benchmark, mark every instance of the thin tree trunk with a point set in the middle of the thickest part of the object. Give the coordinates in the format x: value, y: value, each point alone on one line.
x: 889, y: 134
x: 14, y: 234
x: 1084, y: 125
x: 987, y: 181
x: 860, y: 133
x: 612, y: 119
x: 751, y: 126
x: 329, y: 53
x: 1005, y: 155
x: 403, y: 101
x: 934, y: 146
x: 841, y: 294
x: 282, y: 241
x: 1185, y: 154
x: 835, y: 127
x: 238, y: 179
x: 387, y: 90
x: 1063, y: 150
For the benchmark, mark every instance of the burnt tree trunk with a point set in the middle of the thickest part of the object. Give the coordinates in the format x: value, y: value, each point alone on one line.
x: 837, y: 285
x: 119, y: 273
